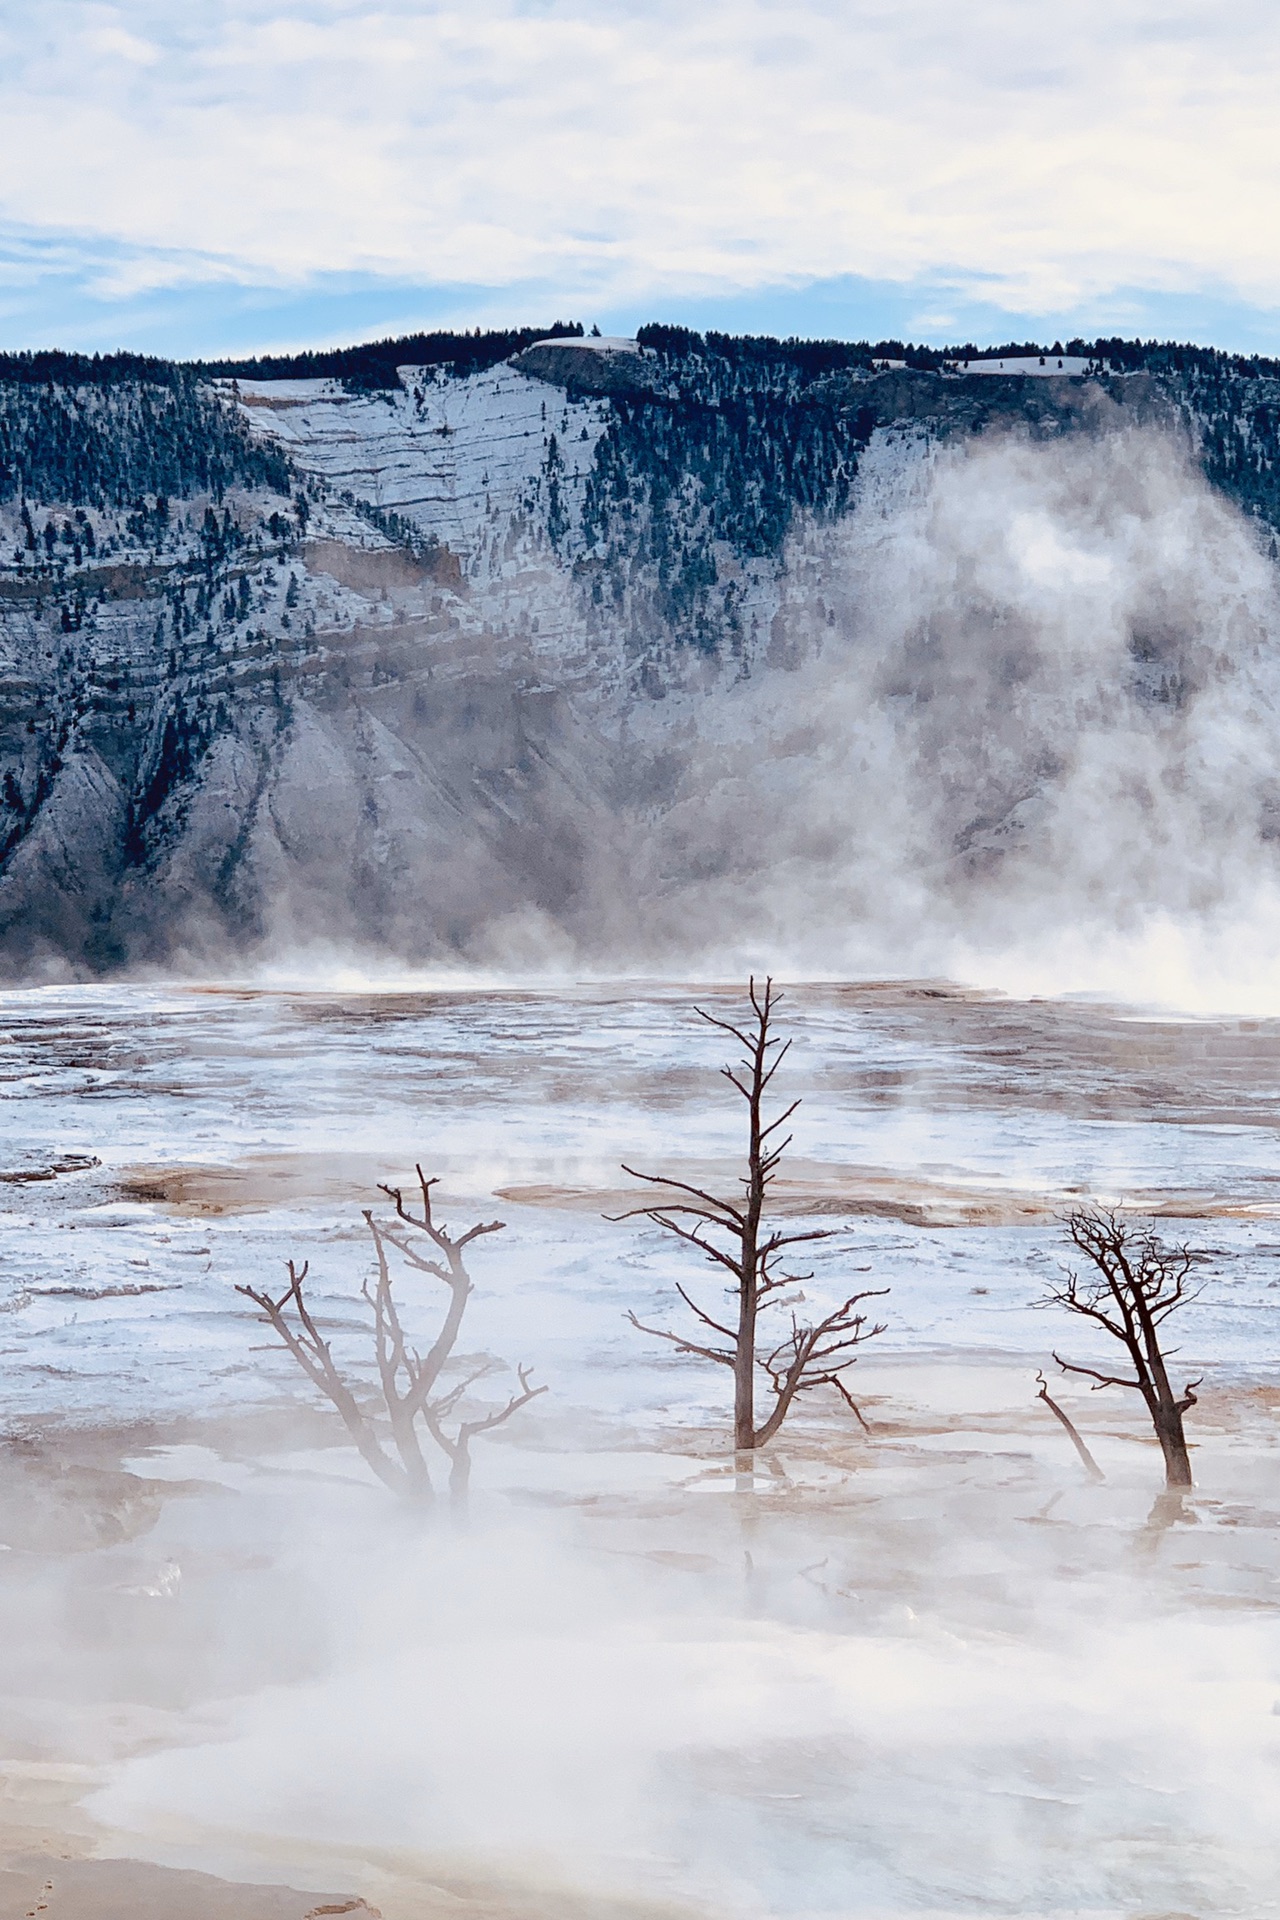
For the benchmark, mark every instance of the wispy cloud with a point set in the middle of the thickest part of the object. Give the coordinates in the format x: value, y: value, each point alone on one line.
x: 1033, y: 158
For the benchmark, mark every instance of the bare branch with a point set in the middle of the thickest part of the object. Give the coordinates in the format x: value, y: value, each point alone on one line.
x: 850, y: 1402
x: 725, y: 1026
x: 1103, y: 1379
x: 693, y: 1238
x: 679, y: 1340
x: 1189, y: 1398
x: 514, y: 1404
x: 777, y: 1241
x: 708, y: 1200
x: 705, y: 1318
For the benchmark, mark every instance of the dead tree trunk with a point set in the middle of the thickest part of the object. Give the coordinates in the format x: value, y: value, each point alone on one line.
x: 760, y: 1165
x: 734, y: 1237
x: 1087, y: 1460
x: 1135, y: 1284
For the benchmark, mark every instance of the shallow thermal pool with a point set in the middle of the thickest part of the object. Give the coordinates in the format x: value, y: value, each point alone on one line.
x: 921, y: 1671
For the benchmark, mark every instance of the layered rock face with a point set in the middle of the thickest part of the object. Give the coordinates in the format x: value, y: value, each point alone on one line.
x: 471, y: 665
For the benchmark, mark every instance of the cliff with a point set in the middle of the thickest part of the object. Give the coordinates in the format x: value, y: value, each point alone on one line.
x: 402, y: 664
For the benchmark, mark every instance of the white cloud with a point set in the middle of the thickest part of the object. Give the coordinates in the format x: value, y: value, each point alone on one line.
x: 115, y: 43
x: 1038, y: 156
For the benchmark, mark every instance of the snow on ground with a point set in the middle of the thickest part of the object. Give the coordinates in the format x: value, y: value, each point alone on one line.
x: 1034, y: 366
x: 595, y: 343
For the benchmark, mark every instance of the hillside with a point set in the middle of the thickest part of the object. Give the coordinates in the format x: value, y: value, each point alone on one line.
x: 422, y: 654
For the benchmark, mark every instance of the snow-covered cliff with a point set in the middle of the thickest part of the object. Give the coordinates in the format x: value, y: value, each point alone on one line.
x: 476, y: 661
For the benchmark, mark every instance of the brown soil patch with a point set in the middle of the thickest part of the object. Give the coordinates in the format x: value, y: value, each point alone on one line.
x: 38, y: 1885
x: 274, y: 402
x: 808, y: 1187
x: 373, y: 570
x: 49, y: 1504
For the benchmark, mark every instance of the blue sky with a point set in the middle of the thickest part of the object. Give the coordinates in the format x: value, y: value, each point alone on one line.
x: 255, y: 176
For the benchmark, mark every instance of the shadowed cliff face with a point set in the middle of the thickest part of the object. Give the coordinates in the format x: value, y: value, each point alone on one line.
x: 853, y: 669
x: 355, y: 792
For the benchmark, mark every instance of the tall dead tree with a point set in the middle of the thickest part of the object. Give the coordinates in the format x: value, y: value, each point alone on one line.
x: 413, y: 1396
x: 1132, y: 1283
x: 734, y: 1237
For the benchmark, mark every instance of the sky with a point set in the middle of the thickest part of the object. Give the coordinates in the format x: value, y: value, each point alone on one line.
x: 249, y: 175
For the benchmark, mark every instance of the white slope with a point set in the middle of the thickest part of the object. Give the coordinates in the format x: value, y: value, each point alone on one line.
x: 460, y: 458
x: 1042, y: 366
x: 594, y: 343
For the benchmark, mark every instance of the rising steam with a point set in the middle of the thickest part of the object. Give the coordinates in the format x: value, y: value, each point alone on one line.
x: 1034, y: 730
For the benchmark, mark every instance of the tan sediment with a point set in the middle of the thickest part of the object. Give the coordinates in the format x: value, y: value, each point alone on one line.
x: 261, y: 1181
x: 852, y: 1192
x: 56, y: 1883
x: 275, y: 402
x: 829, y: 1189
x: 50, y: 1504
x: 373, y: 570
x: 48, y: 1879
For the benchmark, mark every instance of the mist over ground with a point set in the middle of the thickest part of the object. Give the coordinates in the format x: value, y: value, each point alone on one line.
x: 925, y: 1670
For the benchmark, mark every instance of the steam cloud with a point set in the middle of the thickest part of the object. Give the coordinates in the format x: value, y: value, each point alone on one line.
x: 1016, y: 720
x: 514, y: 1706
x: 1030, y: 736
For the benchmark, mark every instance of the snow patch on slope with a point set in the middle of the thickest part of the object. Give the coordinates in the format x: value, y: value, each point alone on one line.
x: 460, y: 458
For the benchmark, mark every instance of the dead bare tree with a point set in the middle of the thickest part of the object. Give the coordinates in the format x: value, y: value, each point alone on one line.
x: 408, y: 1379
x: 1134, y: 1281
x: 750, y: 1253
